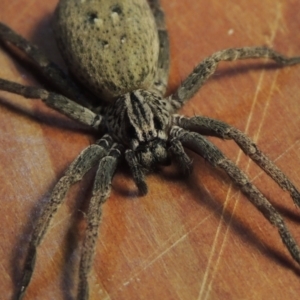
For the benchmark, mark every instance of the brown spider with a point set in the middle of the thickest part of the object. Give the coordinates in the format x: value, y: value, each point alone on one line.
x: 145, y: 130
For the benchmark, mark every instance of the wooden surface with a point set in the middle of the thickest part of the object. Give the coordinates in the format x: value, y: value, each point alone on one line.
x: 196, y: 238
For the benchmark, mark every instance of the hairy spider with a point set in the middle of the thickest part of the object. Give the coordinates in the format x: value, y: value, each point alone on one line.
x: 136, y: 121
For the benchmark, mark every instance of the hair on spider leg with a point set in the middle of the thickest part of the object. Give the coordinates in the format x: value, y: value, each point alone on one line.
x: 140, y: 124
x: 216, y: 207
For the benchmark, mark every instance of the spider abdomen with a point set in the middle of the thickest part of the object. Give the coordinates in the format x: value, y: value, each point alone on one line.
x: 110, y: 46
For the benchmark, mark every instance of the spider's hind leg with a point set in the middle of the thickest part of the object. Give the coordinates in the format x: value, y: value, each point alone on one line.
x: 49, y: 69
x: 209, y: 65
x: 82, y: 164
x: 216, y: 158
x: 58, y: 102
x: 161, y: 79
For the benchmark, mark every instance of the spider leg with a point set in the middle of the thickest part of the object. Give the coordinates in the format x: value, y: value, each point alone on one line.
x: 58, y: 102
x: 208, y: 66
x: 136, y: 170
x: 216, y: 158
x: 81, y: 165
x: 161, y: 79
x: 49, y: 69
x: 184, y: 162
x: 209, y: 126
x: 100, y: 193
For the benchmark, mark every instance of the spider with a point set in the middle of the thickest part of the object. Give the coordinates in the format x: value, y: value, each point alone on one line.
x: 135, y: 120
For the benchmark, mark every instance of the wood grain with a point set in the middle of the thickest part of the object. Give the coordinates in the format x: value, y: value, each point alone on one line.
x: 195, y: 238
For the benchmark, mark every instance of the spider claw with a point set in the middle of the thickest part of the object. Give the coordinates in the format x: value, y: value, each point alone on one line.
x: 143, y: 188
x: 187, y: 169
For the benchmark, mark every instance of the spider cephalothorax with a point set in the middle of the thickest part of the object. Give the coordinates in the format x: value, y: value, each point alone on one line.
x: 100, y: 44
x: 137, y: 118
x: 140, y: 120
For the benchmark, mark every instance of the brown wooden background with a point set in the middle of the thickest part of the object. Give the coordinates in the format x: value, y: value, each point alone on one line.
x: 187, y: 239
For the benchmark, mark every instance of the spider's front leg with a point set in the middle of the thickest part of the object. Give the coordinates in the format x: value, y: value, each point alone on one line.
x: 82, y: 164
x: 212, y: 127
x: 100, y: 193
x: 216, y: 158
